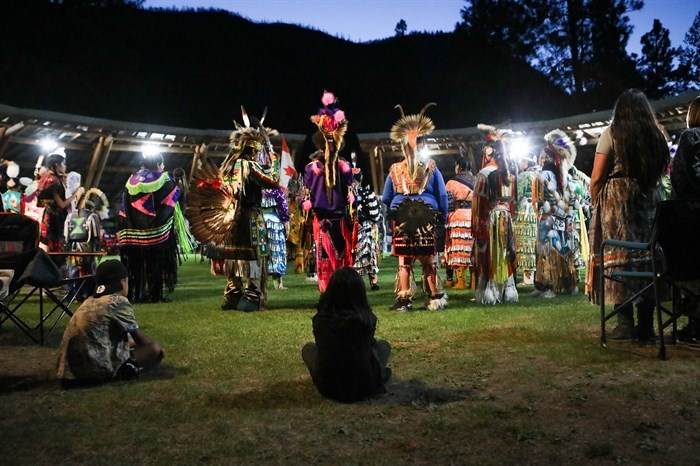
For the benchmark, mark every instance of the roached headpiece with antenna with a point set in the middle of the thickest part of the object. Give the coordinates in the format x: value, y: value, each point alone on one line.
x: 252, y: 134
x: 406, y: 132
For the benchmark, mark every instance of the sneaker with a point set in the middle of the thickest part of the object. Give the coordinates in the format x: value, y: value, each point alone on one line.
x: 374, y: 287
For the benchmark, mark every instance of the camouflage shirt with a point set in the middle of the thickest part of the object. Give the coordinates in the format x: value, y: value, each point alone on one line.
x: 95, y: 343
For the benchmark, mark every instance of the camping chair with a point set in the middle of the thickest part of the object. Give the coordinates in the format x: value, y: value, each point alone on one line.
x: 674, y: 261
x: 34, y: 274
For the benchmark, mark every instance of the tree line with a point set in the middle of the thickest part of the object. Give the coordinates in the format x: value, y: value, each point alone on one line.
x: 579, y: 45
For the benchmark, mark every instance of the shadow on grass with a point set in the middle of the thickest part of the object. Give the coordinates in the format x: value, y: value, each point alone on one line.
x: 302, y: 394
x: 18, y: 383
x: 418, y: 394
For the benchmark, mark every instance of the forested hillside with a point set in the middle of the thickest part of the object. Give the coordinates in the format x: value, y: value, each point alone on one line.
x: 195, y: 69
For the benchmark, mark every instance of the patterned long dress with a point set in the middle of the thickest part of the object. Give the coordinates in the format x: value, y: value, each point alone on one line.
x: 276, y: 213
x: 459, y: 239
x: 368, y: 216
x: 525, y: 226
x: 622, y: 211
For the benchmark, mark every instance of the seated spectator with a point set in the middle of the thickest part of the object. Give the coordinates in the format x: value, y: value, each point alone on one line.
x: 346, y: 363
x: 102, y: 341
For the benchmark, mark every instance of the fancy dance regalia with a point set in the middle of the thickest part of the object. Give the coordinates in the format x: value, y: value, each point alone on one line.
x: 276, y: 214
x: 367, y: 238
x: 150, y: 224
x: 415, y: 192
x: 525, y: 223
x: 225, y: 214
x: 327, y: 181
x: 492, y: 213
x: 556, y: 272
x: 459, y: 240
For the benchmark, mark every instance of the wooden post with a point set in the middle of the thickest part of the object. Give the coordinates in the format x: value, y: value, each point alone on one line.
x: 96, y: 153
x: 106, y: 149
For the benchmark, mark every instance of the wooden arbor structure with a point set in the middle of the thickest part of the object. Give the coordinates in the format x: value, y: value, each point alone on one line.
x: 106, y: 152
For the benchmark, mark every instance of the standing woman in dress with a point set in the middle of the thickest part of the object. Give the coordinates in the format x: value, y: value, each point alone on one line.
x: 630, y: 159
x: 52, y: 196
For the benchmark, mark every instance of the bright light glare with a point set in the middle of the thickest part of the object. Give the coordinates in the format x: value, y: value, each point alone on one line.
x: 149, y: 150
x: 48, y: 145
x: 424, y: 152
x: 519, y: 148
x: 583, y: 142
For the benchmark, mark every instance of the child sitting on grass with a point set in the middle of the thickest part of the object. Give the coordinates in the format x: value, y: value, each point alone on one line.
x: 102, y: 341
x: 346, y: 363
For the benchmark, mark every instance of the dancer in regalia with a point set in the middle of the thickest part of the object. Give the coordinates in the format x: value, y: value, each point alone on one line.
x: 276, y: 215
x: 525, y: 223
x: 224, y: 210
x: 367, y: 216
x: 415, y: 193
x: 150, y: 226
x: 493, y: 209
x: 328, y: 183
x: 551, y: 191
x: 459, y: 240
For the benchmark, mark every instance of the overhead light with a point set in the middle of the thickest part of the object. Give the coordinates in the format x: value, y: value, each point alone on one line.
x: 48, y: 145
x: 150, y: 150
x: 519, y: 148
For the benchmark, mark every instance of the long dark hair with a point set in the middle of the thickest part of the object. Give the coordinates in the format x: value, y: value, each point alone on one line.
x: 53, y: 160
x: 639, y: 143
x: 346, y: 296
x: 499, y: 154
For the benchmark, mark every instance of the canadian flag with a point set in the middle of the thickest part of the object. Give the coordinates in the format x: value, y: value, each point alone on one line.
x: 287, y: 171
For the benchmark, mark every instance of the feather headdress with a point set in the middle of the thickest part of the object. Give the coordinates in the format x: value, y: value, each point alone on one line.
x: 333, y: 125
x: 495, y: 138
x: 558, y: 141
x: 406, y: 132
x: 559, y: 151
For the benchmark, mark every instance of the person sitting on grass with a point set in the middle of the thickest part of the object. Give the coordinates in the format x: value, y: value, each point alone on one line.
x: 102, y: 340
x: 346, y: 363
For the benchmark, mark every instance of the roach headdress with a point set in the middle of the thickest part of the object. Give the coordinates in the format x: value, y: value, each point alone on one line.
x: 406, y: 132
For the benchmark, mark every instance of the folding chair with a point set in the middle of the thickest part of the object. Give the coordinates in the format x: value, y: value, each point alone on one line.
x: 675, y: 259
x: 34, y: 274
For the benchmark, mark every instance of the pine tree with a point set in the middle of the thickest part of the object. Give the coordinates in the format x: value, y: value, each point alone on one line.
x: 688, y: 72
x: 656, y: 63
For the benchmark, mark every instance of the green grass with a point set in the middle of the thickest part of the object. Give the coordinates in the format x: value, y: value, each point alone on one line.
x: 524, y: 383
